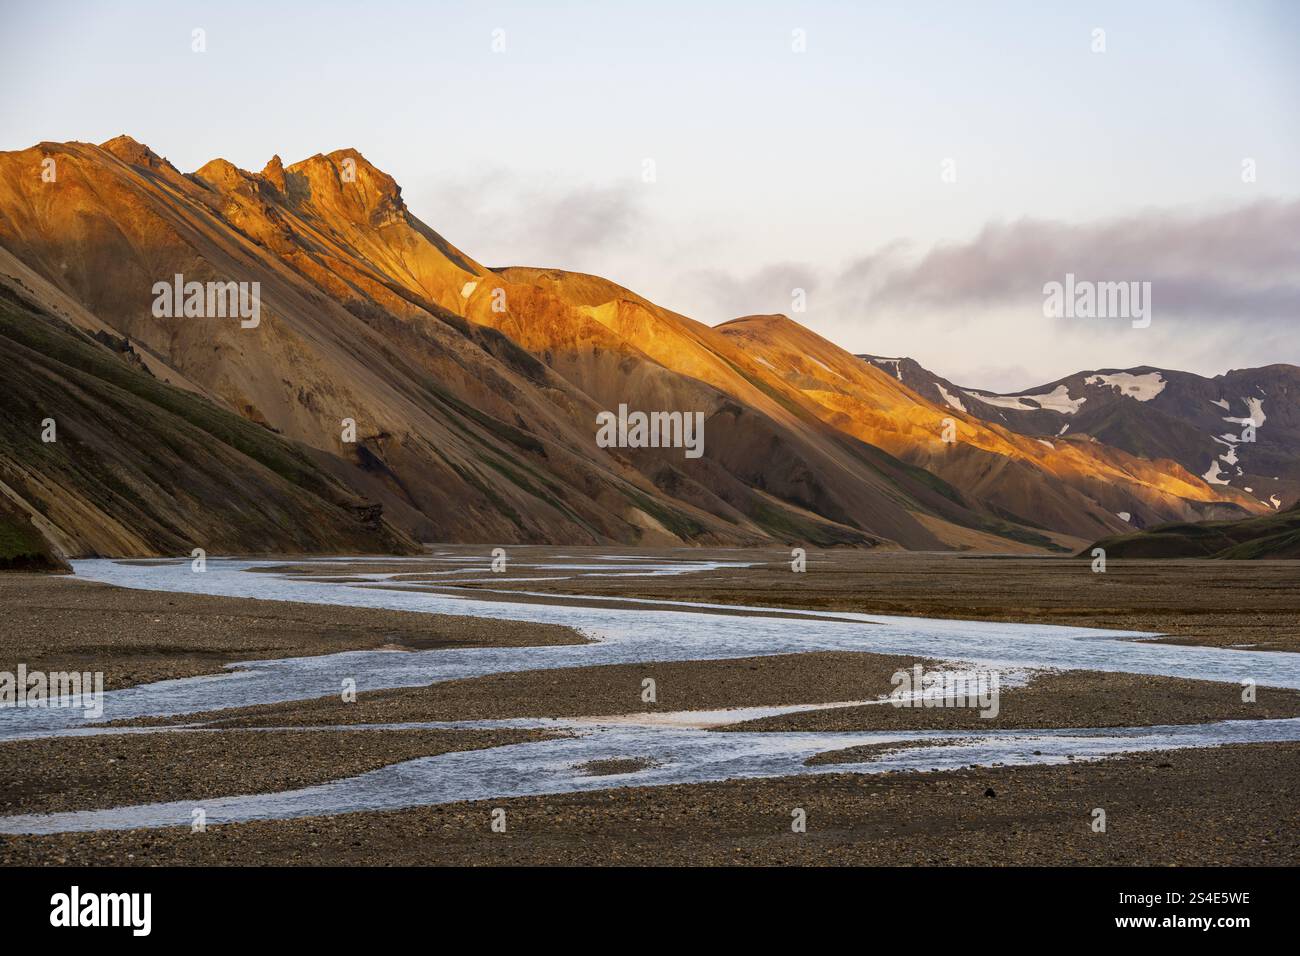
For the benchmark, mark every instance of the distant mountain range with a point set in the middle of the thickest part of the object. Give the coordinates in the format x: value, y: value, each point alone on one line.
x: 394, y: 390
x: 1201, y: 423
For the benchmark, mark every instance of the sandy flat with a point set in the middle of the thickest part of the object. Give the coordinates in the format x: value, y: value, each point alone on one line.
x: 135, y: 637
x: 1253, y: 604
x: 1051, y: 700
x: 1228, y: 805
x: 52, y: 775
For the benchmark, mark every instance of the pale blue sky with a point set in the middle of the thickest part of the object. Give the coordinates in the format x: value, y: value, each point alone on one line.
x: 773, y: 168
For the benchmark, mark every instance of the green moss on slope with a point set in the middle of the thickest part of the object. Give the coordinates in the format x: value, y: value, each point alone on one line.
x: 1265, y: 536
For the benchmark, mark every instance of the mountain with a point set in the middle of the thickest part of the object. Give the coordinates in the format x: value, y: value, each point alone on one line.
x: 714, y: 355
x: 368, y: 315
x: 1267, y: 536
x: 474, y: 392
x: 1199, y: 422
x: 22, y: 546
x: 134, y: 467
x: 1071, y: 487
x: 1070, y: 490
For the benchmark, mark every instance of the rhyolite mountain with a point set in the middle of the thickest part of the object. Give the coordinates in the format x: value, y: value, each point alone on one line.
x: 1199, y: 422
x: 473, y: 392
x: 99, y: 457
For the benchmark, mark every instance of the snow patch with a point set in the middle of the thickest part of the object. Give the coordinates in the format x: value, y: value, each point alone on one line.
x: 1213, y: 476
x: 896, y: 362
x: 1057, y: 400
x: 1231, y: 457
x: 1143, y: 387
x: 950, y: 398
x: 827, y: 367
x: 1256, y: 416
x: 1256, y: 410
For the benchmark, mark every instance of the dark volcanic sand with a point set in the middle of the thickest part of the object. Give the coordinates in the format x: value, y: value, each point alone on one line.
x: 1229, y: 805
x: 1065, y: 699
x: 135, y: 637
x: 51, y: 775
x: 1217, y: 603
x: 1054, y: 700
x: 586, y: 691
x: 1225, y: 805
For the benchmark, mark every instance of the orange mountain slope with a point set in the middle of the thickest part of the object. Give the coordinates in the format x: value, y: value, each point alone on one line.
x: 474, y: 392
x: 1074, y: 485
x: 1069, y: 484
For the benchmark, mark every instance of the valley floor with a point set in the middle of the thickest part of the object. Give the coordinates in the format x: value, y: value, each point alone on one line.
x: 1233, y: 804
x: 1227, y: 805
x: 1252, y: 604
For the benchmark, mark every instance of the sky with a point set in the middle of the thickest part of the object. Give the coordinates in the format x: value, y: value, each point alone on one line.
x: 920, y: 170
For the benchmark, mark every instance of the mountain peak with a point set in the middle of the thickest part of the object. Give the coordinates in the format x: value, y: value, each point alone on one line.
x: 775, y: 319
x: 122, y: 141
x: 221, y: 174
x: 345, y: 178
x: 347, y: 165
x: 273, y: 173
x: 135, y: 153
x: 898, y: 366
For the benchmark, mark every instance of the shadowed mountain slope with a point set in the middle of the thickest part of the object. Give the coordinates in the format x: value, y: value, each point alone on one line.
x: 1263, y: 537
x: 98, y: 457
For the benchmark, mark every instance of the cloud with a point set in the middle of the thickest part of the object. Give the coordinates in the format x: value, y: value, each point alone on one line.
x: 1239, y: 264
x: 717, y: 295
x: 497, y: 217
x: 1225, y: 287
